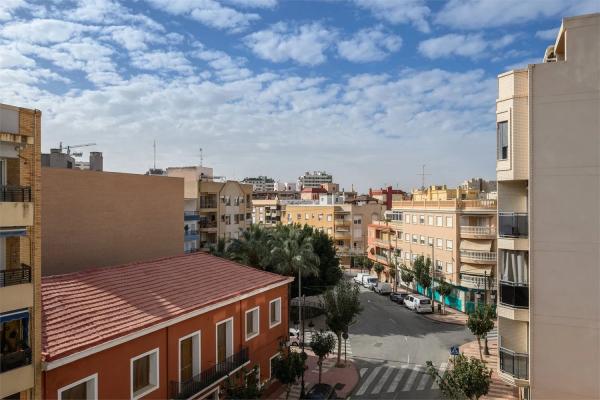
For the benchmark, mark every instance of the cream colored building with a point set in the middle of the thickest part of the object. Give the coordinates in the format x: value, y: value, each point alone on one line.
x: 345, y: 222
x: 20, y: 253
x: 266, y: 212
x: 548, y: 172
x: 454, y: 229
x: 213, y: 209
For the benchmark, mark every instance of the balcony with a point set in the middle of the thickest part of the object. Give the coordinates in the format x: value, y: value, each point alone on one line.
x: 208, y: 377
x: 480, y: 257
x: 16, y: 276
x: 341, y: 234
x: 15, y: 194
x: 514, y: 364
x: 191, y: 215
x: 478, y: 232
x: 207, y: 224
x: 513, y: 225
x: 514, y: 294
x: 382, y: 243
x: 14, y: 360
x: 477, y: 281
x: 191, y: 235
x: 210, y: 204
x: 16, y: 208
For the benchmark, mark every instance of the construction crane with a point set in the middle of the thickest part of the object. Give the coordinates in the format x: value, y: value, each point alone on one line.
x: 74, y: 147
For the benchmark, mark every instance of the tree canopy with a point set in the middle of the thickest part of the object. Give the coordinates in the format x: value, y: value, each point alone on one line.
x: 322, y: 344
x: 466, y: 379
x: 480, y: 322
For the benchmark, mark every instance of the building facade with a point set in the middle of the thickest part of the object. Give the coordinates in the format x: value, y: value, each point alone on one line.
x: 266, y: 212
x: 459, y: 236
x: 213, y: 209
x: 261, y: 183
x: 388, y: 195
x: 20, y: 253
x: 94, y: 219
x: 548, y: 133
x: 106, y: 339
x: 313, y: 180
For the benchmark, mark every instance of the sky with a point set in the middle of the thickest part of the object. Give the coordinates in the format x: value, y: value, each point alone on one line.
x: 367, y: 90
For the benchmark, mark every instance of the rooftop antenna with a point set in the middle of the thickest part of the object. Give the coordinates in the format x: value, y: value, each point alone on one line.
x: 154, y: 153
x: 423, y: 174
x: 201, y: 159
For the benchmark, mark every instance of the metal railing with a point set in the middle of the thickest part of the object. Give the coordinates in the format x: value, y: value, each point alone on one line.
x: 189, y: 251
x: 16, y: 194
x: 514, y: 294
x: 196, y: 384
x: 191, y: 215
x: 15, y: 359
x: 478, y: 255
x: 477, y: 281
x: 478, y: 230
x: 513, y: 224
x: 515, y: 364
x: 208, y: 204
x: 16, y: 276
x: 207, y: 224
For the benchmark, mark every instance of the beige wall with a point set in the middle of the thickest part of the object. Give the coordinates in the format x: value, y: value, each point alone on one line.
x: 95, y: 219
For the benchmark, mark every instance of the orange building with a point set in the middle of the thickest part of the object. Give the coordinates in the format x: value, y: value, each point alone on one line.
x: 168, y: 328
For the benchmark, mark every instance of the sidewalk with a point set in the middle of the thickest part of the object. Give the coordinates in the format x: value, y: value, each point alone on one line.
x: 343, y: 379
x: 498, y: 389
x: 452, y: 316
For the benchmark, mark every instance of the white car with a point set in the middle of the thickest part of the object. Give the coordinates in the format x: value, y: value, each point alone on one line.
x: 418, y: 303
x: 358, y: 279
x: 369, y: 281
x: 383, y: 288
x: 295, y: 337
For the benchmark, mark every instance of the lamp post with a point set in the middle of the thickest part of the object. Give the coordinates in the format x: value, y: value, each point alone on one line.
x: 432, y: 276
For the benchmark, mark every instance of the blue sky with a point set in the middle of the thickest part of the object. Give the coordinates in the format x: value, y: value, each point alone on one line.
x: 366, y: 89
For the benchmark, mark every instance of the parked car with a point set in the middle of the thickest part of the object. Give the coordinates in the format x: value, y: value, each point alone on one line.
x: 418, y: 303
x: 321, y: 391
x: 369, y: 281
x: 383, y: 288
x: 398, y: 297
x: 295, y: 337
x: 358, y: 279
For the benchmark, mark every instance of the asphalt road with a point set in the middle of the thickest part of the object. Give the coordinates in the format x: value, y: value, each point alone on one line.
x: 390, y: 346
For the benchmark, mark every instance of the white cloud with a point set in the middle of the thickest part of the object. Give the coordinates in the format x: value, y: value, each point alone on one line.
x: 523, y: 63
x: 548, y: 34
x: 44, y: 30
x: 10, y: 56
x: 369, y: 45
x: 227, y: 68
x: 162, y: 61
x: 106, y: 12
x: 478, y: 14
x: 254, y: 3
x: 304, y: 44
x: 398, y: 12
x: 8, y: 7
x: 471, y: 45
x: 132, y: 38
x: 208, y: 12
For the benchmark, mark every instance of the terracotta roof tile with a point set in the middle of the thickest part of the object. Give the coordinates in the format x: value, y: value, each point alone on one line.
x: 84, y: 309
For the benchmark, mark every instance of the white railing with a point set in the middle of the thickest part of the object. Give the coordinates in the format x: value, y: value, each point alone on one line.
x: 478, y: 255
x: 478, y: 230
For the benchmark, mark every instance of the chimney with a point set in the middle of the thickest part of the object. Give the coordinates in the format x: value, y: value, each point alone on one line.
x: 388, y: 198
x: 96, y: 161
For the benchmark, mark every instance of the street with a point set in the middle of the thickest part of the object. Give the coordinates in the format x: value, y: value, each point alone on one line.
x: 390, y: 346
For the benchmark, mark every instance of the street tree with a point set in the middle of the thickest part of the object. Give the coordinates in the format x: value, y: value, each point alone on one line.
x: 422, y: 270
x: 407, y: 277
x: 466, y: 379
x: 287, y: 368
x: 341, y: 305
x: 322, y: 344
x: 378, y: 269
x: 252, y: 247
x: 444, y: 289
x: 392, y: 273
x: 246, y: 388
x: 480, y: 322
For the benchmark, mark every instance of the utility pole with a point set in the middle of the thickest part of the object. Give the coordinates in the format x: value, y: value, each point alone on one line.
x: 154, y: 145
x: 432, y: 277
x: 485, y: 283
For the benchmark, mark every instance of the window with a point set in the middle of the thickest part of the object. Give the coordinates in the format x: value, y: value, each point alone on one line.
x: 407, y: 218
x: 449, y: 268
x: 329, y: 231
x: 289, y: 217
x: 298, y: 216
x: 340, y: 242
x: 252, y: 323
x: 320, y: 217
x: 422, y: 239
x: 189, y: 357
x: 84, y: 389
x: 144, y: 374
x: 449, y: 244
x: 274, y: 312
x: 414, y: 219
x: 357, y: 220
x: 224, y: 342
x: 415, y: 238
x: 439, y: 220
x: 502, y: 133
x: 407, y: 237
x: 413, y: 257
x: 430, y: 220
x: 407, y: 255
x: 329, y: 217
x: 449, y: 222
x: 306, y: 216
x: 430, y: 241
x: 422, y: 219
x: 439, y: 265
x: 439, y: 243
x: 271, y: 362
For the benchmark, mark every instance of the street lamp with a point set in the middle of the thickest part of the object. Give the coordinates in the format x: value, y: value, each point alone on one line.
x: 432, y: 277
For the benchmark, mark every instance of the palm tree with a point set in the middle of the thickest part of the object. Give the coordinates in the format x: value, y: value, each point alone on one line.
x: 252, y: 247
x: 219, y: 249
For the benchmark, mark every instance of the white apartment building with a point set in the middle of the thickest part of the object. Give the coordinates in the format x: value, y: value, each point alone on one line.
x: 314, y: 180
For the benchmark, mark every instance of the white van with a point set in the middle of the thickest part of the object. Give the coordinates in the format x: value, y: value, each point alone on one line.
x: 418, y: 303
x: 358, y: 279
x: 369, y: 281
x: 383, y: 288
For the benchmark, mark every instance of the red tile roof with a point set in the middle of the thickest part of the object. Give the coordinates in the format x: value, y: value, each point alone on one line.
x: 84, y: 309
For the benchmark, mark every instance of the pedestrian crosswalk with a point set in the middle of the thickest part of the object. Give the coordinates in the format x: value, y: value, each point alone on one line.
x: 375, y: 382
x: 493, y: 334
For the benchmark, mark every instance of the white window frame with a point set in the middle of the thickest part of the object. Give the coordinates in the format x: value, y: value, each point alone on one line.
x: 439, y: 220
x: 449, y: 244
x: 430, y: 220
x: 439, y: 243
x: 449, y: 267
x: 449, y: 222
x: 407, y: 218
x: 195, y: 368
x: 407, y: 237
x: 153, y: 386
x: 270, y: 363
x: 253, y: 335
x: 272, y: 325
x: 414, y: 219
x: 430, y: 241
x: 421, y: 219
x: 422, y: 240
x: 216, y: 335
x: 93, y: 378
x: 415, y: 239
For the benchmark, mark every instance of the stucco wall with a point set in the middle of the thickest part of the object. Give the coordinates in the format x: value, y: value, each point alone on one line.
x: 94, y: 219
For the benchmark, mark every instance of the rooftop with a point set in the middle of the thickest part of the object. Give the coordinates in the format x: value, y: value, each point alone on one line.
x: 85, y: 309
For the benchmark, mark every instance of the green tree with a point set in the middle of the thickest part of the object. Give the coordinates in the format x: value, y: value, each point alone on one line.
x: 444, y: 289
x: 480, y: 322
x: 330, y: 272
x: 219, y: 249
x: 407, y: 277
x: 378, y: 269
x: 422, y: 269
x: 342, y: 306
x: 287, y: 368
x: 467, y: 379
x: 392, y: 273
x: 252, y: 247
x: 246, y: 388
x: 322, y: 344
x: 368, y: 264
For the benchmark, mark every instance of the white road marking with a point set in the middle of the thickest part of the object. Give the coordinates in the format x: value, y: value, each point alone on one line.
x: 396, y: 380
x: 405, y: 339
x: 363, y: 371
x: 411, y: 380
x: 441, y: 372
x: 425, y: 379
x: 382, y: 381
x: 368, y: 381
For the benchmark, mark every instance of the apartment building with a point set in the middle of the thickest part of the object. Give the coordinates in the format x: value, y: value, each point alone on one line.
x: 95, y: 219
x: 266, y: 212
x: 346, y: 222
x: 454, y: 229
x: 548, y: 171
x: 261, y: 183
x: 59, y: 159
x: 388, y: 195
x: 314, y: 179
x: 20, y: 253
x: 105, y: 338
x: 214, y: 208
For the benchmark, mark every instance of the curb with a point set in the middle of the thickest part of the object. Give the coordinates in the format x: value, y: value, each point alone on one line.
x: 444, y: 322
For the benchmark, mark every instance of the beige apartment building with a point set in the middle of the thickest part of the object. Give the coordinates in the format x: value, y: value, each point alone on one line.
x: 548, y: 172
x: 346, y: 222
x: 214, y: 208
x: 453, y: 228
x: 266, y: 212
x: 20, y: 253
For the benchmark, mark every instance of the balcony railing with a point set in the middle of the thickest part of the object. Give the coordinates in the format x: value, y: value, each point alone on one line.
x: 191, y: 215
x: 15, y: 194
x: 15, y: 359
x: 189, y: 251
x: 191, y: 387
x: 514, y: 364
x: 477, y: 281
x: 513, y: 224
x: 208, y: 204
x: 514, y: 294
x: 478, y: 230
x: 16, y: 276
x: 207, y: 224
x: 478, y: 255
